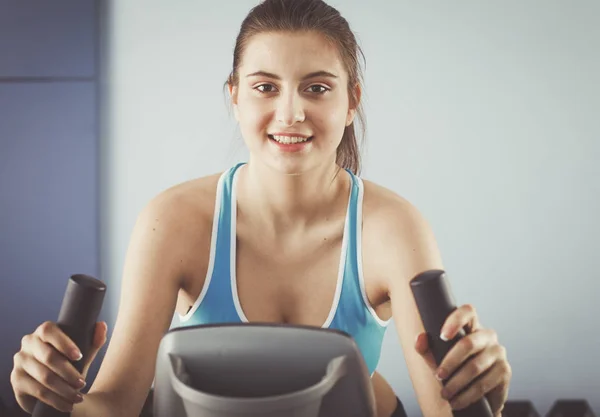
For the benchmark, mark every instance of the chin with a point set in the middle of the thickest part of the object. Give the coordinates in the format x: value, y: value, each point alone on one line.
x: 296, y: 166
x: 289, y: 168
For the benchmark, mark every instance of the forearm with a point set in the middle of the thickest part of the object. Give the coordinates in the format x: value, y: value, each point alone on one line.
x: 101, y: 404
x: 443, y: 411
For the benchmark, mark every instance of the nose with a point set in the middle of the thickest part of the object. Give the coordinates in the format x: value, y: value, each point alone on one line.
x: 289, y: 109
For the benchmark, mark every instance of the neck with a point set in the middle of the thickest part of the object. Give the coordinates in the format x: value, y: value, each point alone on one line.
x: 283, y: 203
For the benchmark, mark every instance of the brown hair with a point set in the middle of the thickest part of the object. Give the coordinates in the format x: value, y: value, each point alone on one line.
x: 316, y: 16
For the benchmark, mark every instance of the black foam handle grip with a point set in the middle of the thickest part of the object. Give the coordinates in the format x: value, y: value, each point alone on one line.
x: 79, y: 312
x: 435, y: 302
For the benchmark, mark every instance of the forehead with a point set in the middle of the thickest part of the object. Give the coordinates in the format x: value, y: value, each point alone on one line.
x: 291, y: 54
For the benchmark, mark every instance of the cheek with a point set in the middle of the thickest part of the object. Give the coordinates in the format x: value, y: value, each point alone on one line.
x: 253, y: 114
x: 332, y: 120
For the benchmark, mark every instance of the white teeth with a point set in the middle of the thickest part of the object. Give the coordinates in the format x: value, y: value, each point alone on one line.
x: 289, y: 139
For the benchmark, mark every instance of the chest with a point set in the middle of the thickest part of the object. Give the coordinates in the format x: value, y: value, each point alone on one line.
x: 297, y: 280
x: 289, y: 281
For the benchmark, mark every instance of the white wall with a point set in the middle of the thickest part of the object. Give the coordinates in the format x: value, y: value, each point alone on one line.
x: 484, y: 115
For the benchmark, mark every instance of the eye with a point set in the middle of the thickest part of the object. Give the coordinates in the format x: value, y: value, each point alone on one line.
x: 314, y: 89
x: 269, y: 88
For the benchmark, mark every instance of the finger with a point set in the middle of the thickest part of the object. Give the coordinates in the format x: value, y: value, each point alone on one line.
x: 100, y: 333
x: 47, y: 355
x: 468, y: 346
x: 488, y: 381
x: 32, y: 391
x: 463, y: 316
x: 497, y: 399
x: 25, y: 401
x: 470, y: 371
x: 498, y: 396
x: 98, y: 341
x: 50, y: 380
x: 422, y: 347
x: 422, y: 343
x: 52, y: 334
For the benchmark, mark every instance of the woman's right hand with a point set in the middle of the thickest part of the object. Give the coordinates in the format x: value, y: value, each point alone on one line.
x: 42, y: 371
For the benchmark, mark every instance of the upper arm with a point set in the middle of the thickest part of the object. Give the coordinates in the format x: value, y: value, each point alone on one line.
x: 412, y: 249
x: 152, y: 276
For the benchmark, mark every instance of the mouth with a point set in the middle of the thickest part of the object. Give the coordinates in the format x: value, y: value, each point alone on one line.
x: 289, y: 140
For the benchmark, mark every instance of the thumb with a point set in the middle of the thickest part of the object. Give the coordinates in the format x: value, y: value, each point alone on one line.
x: 97, y: 342
x: 422, y: 348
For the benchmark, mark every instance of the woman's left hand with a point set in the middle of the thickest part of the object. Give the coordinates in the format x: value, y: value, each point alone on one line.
x: 483, y: 358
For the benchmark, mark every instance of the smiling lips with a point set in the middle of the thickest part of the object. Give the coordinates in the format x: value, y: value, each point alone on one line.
x: 290, y: 138
x: 290, y: 142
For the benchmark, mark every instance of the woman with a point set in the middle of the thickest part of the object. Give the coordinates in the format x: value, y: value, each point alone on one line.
x: 292, y: 236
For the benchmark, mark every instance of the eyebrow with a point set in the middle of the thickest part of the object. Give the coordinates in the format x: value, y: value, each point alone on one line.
x: 306, y: 77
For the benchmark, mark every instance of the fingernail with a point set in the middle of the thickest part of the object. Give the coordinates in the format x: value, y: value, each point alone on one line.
x: 76, y: 355
x: 443, y: 337
x: 441, y: 374
x: 79, y: 398
x: 81, y: 383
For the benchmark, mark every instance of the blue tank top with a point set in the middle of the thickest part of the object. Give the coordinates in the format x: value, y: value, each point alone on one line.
x: 350, y: 312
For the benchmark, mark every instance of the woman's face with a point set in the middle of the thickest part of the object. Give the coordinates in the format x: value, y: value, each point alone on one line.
x: 292, y: 101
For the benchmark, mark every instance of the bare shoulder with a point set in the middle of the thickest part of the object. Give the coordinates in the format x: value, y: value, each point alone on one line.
x: 187, y: 203
x: 183, y: 216
x: 385, y: 205
x: 402, y: 234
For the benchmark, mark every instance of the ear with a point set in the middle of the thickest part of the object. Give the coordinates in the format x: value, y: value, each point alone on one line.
x: 233, y: 95
x: 352, y: 109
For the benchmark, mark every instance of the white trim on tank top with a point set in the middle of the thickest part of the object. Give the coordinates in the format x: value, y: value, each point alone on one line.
x: 359, y: 254
x: 213, y: 250
x: 341, y: 268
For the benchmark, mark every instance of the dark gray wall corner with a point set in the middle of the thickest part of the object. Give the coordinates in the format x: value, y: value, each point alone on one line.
x: 48, y: 162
